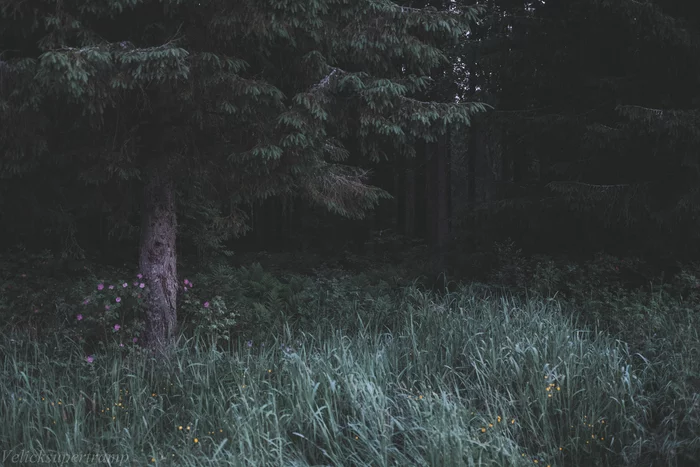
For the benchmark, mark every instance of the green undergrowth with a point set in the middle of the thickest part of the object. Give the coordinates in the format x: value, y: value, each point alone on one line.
x: 570, y: 368
x: 458, y: 380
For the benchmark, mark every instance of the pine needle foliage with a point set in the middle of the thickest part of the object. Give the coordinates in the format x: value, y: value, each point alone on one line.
x: 251, y: 99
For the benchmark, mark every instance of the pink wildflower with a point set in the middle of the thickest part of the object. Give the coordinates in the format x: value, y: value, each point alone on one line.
x: 100, y: 286
x: 79, y: 317
x: 206, y: 304
x: 90, y: 359
x: 117, y: 327
x: 142, y: 285
x: 118, y: 299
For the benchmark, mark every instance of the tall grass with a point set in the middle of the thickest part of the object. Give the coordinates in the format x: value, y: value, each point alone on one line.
x: 456, y: 381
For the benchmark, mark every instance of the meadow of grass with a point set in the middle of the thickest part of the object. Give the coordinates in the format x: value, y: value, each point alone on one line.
x: 381, y: 378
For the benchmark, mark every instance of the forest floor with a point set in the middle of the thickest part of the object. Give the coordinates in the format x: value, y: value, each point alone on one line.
x: 347, y: 369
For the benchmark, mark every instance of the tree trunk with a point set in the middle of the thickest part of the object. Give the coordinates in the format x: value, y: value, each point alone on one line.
x: 400, y: 196
x: 438, y: 210
x: 409, y: 217
x: 158, y: 259
x: 471, y: 165
x: 472, y: 139
x: 448, y: 183
x: 420, y: 192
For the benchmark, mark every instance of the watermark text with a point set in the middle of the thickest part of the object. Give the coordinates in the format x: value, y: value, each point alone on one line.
x: 24, y: 456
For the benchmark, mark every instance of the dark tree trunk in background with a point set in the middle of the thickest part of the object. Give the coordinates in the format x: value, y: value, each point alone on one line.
x: 409, y: 193
x: 397, y: 193
x: 158, y: 259
x: 268, y: 224
x: 471, y: 165
x: 448, y: 187
x: 487, y: 160
x: 438, y: 208
x: 400, y: 196
x: 385, y: 213
x: 472, y: 142
x: 420, y: 192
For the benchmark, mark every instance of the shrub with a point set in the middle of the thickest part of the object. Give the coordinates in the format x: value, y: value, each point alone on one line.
x: 111, y: 313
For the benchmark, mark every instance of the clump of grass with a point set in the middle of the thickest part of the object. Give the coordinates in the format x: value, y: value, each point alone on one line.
x: 456, y: 380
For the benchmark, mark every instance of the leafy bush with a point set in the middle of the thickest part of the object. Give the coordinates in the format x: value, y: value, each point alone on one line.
x: 212, y: 320
x: 511, y: 267
x: 95, y: 313
x: 249, y: 301
x: 109, y: 313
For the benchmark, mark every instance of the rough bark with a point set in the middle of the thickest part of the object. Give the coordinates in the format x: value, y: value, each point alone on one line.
x: 158, y: 259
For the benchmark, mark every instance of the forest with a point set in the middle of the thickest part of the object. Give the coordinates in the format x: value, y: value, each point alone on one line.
x: 350, y: 232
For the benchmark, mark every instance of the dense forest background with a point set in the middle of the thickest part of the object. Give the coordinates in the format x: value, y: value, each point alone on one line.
x: 589, y: 144
x: 361, y: 232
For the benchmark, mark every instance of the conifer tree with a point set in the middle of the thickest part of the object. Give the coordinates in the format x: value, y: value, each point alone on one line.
x: 595, y: 105
x: 208, y: 106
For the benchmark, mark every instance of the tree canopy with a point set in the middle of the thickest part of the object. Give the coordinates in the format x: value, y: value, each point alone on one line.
x: 211, y: 106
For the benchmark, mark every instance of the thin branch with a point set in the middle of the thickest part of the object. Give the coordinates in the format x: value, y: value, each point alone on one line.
x: 323, y: 85
x: 592, y: 185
